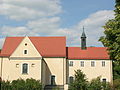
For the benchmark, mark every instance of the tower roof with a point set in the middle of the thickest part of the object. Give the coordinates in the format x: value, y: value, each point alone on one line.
x: 83, y: 34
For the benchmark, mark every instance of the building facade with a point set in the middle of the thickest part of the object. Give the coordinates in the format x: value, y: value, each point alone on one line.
x: 49, y: 60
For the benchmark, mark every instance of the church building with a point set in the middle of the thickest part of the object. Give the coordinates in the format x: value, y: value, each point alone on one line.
x: 49, y: 60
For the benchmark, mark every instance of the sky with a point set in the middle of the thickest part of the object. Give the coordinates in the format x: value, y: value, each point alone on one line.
x: 56, y: 18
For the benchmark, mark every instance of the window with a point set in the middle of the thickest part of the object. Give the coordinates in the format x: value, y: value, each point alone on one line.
x: 53, y: 80
x: 70, y: 79
x: 92, y: 63
x: 104, y: 79
x: 25, y: 51
x: 32, y: 65
x: 103, y: 63
x: 25, y: 44
x: 25, y: 68
x: 82, y: 63
x: 17, y: 65
x: 71, y: 63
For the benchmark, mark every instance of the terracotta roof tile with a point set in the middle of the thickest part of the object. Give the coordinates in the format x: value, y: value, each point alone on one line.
x: 89, y: 53
x: 46, y: 46
x: 10, y: 45
x: 50, y: 46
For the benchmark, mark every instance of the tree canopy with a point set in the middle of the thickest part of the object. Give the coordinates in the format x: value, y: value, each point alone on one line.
x: 112, y: 40
x: 112, y: 34
x: 81, y: 83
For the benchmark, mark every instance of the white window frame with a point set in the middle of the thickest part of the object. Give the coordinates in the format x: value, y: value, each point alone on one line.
x: 25, y: 50
x: 71, y: 63
x: 22, y: 68
x: 92, y: 63
x: 103, y: 63
x: 82, y: 63
x: 103, y: 79
x: 50, y: 79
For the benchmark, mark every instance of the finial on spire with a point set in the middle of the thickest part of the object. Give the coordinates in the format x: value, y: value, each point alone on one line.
x: 83, y: 28
x: 83, y: 33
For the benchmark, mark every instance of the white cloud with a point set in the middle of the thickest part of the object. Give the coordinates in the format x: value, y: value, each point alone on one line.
x: 93, y: 26
x: 29, y: 9
x: 16, y: 31
x: 1, y: 42
x: 44, y: 25
x: 51, y: 26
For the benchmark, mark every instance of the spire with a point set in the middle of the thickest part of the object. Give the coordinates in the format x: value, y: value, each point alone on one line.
x: 83, y: 33
x: 83, y: 40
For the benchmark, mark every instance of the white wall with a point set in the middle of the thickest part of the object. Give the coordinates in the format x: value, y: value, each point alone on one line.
x: 93, y: 72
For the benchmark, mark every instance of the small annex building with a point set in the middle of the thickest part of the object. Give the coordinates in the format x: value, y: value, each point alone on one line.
x: 49, y: 60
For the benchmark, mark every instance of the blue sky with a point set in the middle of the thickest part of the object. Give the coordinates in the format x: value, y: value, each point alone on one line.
x: 55, y: 18
x: 76, y: 10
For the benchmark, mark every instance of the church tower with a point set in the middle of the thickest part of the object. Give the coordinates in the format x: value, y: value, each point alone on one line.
x: 83, y: 40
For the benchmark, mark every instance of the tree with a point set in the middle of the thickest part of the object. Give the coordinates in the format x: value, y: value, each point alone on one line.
x: 80, y: 82
x: 112, y: 34
x: 116, y: 84
x: 97, y: 84
x: 112, y: 40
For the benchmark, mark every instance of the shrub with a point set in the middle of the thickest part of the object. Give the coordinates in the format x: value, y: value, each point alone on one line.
x: 97, y: 84
x: 116, y: 84
x: 20, y: 84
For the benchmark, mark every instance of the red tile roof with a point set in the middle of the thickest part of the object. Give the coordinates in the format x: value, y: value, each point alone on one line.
x: 50, y: 46
x: 46, y: 46
x: 55, y: 47
x: 89, y: 53
x: 10, y: 45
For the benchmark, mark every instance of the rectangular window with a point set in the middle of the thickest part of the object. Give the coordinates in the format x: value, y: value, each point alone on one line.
x: 25, y: 51
x: 104, y: 79
x: 25, y: 68
x: 103, y: 63
x: 82, y: 63
x: 53, y: 80
x: 71, y: 63
x: 92, y: 63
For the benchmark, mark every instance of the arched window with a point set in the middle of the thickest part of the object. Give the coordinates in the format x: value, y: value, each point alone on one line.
x: 25, y: 68
x: 71, y: 79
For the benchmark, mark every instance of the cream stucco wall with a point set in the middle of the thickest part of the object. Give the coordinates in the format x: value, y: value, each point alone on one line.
x: 31, y: 50
x: 43, y: 72
x: 12, y: 69
x: 57, y: 67
x: 93, y: 72
x: 12, y: 66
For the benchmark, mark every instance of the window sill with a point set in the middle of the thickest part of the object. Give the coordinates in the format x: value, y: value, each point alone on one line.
x: 24, y: 73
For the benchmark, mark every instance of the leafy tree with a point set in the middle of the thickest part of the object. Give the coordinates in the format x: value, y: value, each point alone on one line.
x: 80, y: 82
x: 112, y: 34
x: 112, y: 39
x: 97, y: 84
x: 116, y: 84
